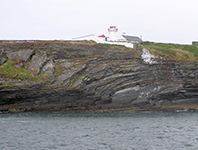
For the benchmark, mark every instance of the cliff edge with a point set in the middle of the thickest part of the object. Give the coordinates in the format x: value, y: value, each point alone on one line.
x: 70, y: 76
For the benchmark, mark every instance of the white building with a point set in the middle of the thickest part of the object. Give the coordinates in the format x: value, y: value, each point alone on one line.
x: 86, y: 37
x: 97, y: 39
x: 112, y: 33
x: 129, y: 38
x: 112, y: 39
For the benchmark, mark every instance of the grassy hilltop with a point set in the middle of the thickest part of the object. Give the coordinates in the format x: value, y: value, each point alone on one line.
x: 170, y: 51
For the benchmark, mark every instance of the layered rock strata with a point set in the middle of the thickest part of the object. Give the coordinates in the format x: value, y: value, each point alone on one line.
x: 94, y: 75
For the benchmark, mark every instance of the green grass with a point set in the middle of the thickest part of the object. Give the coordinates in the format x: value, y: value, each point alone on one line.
x: 170, y: 51
x: 9, y: 70
x: 192, y: 49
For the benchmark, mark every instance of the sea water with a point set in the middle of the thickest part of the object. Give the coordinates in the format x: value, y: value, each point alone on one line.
x: 99, y: 131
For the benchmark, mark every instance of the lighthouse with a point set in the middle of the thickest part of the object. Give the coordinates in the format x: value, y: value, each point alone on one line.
x: 112, y: 33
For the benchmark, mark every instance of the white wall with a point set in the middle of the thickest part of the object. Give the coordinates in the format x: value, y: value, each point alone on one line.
x: 112, y: 36
x: 88, y: 37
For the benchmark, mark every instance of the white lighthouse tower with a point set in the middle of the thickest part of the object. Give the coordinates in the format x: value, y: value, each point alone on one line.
x: 112, y: 33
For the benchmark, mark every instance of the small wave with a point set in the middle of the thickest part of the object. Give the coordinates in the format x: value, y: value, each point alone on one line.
x: 181, y: 110
x: 24, y: 121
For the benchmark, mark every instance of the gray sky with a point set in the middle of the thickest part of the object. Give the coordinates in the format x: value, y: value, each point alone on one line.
x: 172, y: 21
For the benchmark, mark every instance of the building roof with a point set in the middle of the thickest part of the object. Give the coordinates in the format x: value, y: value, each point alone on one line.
x: 85, y: 36
x: 102, y: 36
x: 132, y: 38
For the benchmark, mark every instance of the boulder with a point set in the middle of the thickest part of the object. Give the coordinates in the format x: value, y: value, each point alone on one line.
x: 22, y: 55
x: 49, y: 69
x: 2, y: 59
x: 38, y: 62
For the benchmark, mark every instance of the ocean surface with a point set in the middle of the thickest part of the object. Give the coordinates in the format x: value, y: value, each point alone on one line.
x: 99, y: 131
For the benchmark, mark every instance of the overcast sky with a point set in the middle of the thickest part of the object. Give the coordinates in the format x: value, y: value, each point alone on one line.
x: 172, y: 21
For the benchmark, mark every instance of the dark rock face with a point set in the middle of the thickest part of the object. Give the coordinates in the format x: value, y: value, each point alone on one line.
x: 70, y: 72
x: 49, y: 69
x: 2, y: 59
x: 99, y: 76
x: 22, y: 54
x: 38, y: 62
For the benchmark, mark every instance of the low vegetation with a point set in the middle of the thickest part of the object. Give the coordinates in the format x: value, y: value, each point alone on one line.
x: 16, y: 69
x: 170, y: 51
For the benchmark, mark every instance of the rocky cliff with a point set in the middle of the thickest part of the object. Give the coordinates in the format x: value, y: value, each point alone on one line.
x: 79, y: 74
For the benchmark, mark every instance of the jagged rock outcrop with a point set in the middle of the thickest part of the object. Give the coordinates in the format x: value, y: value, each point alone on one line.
x: 95, y: 75
x: 38, y: 62
x: 49, y: 69
x: 21, y: 55
x: 2, y: 59
x: 70, y: 70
